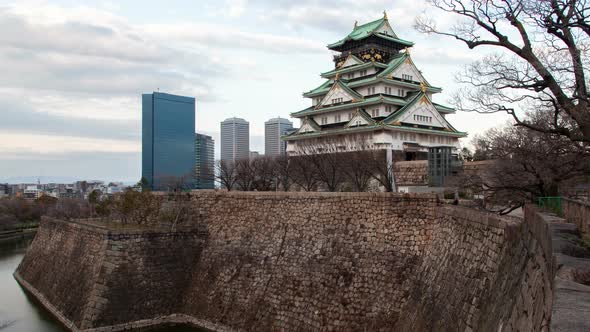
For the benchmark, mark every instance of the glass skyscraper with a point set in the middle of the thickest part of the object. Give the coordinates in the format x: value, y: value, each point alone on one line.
x: 168, y: 137
x: 204, y: 162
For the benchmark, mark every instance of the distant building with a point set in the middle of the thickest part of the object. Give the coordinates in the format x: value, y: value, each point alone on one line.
x: 273, y: 130
x: 32, y: 192
x: 204, y: 161
x: 4, y: 190
x: 168, y: 138
x: 235, y: 139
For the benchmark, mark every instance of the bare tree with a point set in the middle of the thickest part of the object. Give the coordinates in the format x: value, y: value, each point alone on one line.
x: 264, y: 173
x: 328, y: 163
x: 526, y: 164
x: 245, y: 175
x: 304, y: 172
x: 138, y: 207
x: 283, y: 172
x: 541, y: 64
x: 226, y: 174
x: 380, y: 169
x: 357, y: 169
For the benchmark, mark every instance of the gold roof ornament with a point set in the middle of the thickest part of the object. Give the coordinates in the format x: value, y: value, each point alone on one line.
x: 337, y: 77
x: 356, y: 24
x: 384, y: 14
x: 423, y: 86
x: 407, y: 51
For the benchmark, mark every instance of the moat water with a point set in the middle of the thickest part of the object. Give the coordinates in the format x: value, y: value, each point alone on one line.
x: 18, y: 311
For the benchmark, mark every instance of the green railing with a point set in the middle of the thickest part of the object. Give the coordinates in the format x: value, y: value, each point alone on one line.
x: 552, y: 204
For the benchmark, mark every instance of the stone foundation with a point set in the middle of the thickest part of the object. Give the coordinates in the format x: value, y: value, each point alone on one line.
x: 300, y: 262
x: 411, y: 173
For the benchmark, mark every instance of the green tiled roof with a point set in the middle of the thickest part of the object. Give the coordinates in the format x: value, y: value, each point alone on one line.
x: 443, y: 109
x: 369, y: 29
x: 367, y: 101
x: 430, y: 131
x: 393, y: 64
x: 325, y: 87
x: 348, y: 69
x: 345, y: 130
x: 349, y: 90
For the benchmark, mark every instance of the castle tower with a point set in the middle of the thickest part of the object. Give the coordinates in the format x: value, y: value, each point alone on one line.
x: 374, y: 98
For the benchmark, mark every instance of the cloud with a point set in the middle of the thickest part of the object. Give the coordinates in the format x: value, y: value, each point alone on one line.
x: 339, y: 15
x: 23, y: 117
x: 24, y: 142
x: 203, y: 35
x: 236, y: 7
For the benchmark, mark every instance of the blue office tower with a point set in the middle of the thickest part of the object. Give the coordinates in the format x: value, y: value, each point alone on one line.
x: 168, y: 141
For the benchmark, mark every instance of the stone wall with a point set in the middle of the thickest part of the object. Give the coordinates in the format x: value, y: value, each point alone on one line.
x: 94, y: 276
x: 411, y: 173
x: 577, y: 212
x: 307, y: 261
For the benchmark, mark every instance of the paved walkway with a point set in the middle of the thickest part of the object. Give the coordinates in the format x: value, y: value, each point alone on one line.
x: 571, y: 306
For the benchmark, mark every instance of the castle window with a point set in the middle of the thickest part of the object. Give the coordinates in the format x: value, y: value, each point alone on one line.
x: 371, y: 90
x: 337, y: 118
x: 375, y: 112
x: 412, y: 137
x: 388, y: 109
x: 407, y: 77
x: 337, y: 100
x: 363, y: 72
x: 350, y: 115
x: 324, y: 120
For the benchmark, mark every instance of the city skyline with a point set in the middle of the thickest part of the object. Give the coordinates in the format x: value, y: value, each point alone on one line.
x: 81, y: 117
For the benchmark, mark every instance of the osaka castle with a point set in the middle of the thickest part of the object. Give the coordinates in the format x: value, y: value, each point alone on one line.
x: 374, y: 98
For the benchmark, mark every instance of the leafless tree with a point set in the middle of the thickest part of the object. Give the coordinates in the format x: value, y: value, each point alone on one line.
x: 304, y: 172
x: 264, y: 173
x: 380, y: 169
x: 226, y: 174
x: 283, y: 172
x: 245, y: 175
x: 541, y: 64
x: 137, y: 207
x: 175, y: 209
x: 328, y: 161
x: 356, y: 167
x: 526, y: 164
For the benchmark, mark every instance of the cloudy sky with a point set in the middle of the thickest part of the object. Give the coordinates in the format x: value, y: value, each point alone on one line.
x: 72, y: 72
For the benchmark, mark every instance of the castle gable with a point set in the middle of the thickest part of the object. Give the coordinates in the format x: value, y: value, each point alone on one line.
x: 360, y: 118
x: 421, y: 112
x: 408, y: 71
x: 339, y: 93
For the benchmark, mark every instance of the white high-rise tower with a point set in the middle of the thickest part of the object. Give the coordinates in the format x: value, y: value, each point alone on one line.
x: 273, y: 130
x: 235, y: 139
